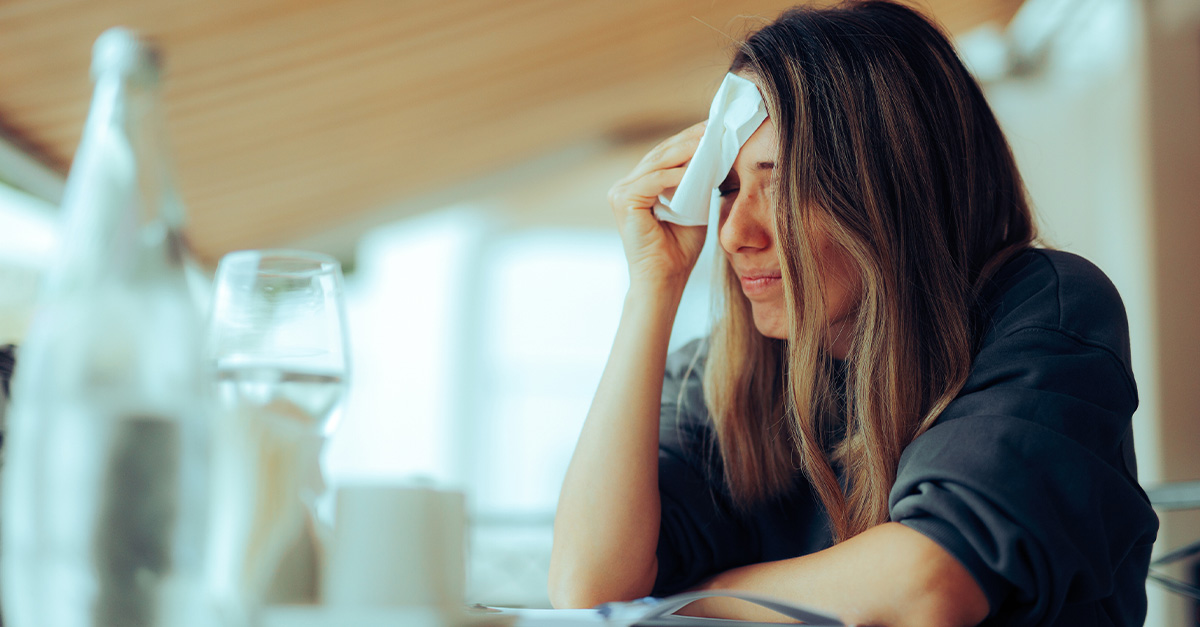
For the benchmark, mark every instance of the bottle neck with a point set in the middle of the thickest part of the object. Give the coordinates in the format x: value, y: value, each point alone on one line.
x: 121, y: 210
x: 147, y: 128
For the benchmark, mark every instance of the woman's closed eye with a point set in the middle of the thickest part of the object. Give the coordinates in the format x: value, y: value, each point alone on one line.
x: 730, y: 185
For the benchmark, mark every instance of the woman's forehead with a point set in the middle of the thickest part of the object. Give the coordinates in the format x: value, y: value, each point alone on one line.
x: 762, y: 147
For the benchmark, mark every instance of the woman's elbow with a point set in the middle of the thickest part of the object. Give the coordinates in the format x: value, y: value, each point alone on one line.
x: 572, y: 597
x: 577, y: 593
x: 585, y: 588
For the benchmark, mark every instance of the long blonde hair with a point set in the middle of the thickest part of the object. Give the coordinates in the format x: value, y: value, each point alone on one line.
x: 886, y: 144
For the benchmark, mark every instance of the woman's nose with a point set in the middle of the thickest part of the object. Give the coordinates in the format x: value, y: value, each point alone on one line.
x: 746, y: 226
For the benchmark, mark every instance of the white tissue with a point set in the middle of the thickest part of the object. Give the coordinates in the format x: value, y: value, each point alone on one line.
x: 736, y: 112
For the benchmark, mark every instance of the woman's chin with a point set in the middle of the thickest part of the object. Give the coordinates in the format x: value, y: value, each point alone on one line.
x: 774, y: 327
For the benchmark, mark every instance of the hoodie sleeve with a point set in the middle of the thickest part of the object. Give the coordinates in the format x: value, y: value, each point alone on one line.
x: 1028, y: 477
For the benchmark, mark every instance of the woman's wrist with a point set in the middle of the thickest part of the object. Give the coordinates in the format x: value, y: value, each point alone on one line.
x: 649, y: 315
x: 658, y: 289
x: 654, y: 302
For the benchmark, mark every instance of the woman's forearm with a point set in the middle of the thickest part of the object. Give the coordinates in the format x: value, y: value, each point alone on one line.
x: 606, y: 526
x: 889, y: 576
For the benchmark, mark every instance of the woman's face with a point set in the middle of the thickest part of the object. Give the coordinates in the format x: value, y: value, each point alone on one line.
x: 747, y: 235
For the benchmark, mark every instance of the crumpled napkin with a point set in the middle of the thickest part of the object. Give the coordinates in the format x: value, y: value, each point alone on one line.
x: 736, y: 112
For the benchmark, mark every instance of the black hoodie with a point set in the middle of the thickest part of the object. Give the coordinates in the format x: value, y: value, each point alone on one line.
x: 1028, y: 477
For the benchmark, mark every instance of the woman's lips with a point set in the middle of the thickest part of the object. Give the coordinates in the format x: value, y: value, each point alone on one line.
x: 760, y: 284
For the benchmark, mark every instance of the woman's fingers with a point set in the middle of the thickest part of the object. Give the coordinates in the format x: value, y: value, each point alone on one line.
x: 643, y: 191
x: 657, y: 251
x: 671, y: 152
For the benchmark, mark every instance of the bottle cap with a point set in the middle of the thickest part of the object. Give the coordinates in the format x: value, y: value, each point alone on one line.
x: 121, y: 50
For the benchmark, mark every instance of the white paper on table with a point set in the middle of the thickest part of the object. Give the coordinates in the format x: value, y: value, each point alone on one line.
x: 553, y: 618
x: 326, y: 616
x: 736, y: 112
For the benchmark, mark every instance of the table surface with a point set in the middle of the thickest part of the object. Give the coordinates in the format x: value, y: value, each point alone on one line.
x: 429, y: 617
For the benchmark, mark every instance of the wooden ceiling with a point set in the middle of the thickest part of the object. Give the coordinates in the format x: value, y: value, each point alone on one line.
x: 290, y: 117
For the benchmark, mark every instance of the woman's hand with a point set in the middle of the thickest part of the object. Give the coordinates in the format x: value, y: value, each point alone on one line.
x: 659, y: 253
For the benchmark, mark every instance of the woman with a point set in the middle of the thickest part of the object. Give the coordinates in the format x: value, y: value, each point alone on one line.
x: 906, y: 414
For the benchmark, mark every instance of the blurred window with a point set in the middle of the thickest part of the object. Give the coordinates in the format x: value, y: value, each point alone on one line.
x: 477, y: 350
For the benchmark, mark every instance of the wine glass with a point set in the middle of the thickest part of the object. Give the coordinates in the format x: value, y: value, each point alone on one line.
x: 278, y: 351
x: 277, y: 333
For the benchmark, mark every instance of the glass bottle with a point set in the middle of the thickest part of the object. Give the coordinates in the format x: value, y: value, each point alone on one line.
x: 105, y: 482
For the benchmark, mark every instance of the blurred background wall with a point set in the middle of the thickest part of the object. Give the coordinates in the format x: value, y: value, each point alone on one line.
x: 455, y: 156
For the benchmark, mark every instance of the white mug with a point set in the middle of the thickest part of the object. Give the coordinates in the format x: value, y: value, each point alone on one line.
x: 397, y: 546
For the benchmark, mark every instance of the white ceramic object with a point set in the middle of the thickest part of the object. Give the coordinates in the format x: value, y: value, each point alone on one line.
x: 395, y: 546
